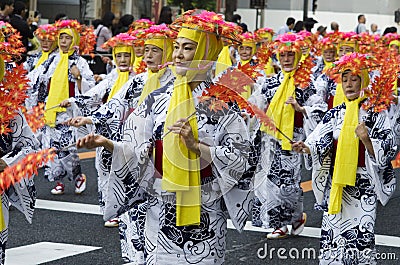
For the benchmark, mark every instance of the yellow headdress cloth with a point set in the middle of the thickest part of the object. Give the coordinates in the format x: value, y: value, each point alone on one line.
x: 121, y: 43
x: 46, y: 32
x: 162, y: 37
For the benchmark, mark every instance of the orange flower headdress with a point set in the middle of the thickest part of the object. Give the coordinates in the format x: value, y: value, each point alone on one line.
x: 85, y: 37
x: 122, y: 39
x: 264, y: 33
x: 348, y: 39
x: 355, y: 62
x: 209, y: 22
x: 290, y: 42
x: 47, y: 32
x: 140, y: 24
x: 367, y: 42
x: 330, y: 41
x: 310, y: 39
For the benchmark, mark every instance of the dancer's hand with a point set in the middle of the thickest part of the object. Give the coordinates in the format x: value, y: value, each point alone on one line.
x: 292, y: 101
x: 362, y: 131
x: 300, y: 147
x: 65, y: 104
x: 94, y: 140
x: 75, y: 72
x: 78, y: 121
x: 183, y: 128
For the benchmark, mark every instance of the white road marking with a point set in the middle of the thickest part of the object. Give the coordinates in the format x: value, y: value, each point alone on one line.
x: 314, y: 232
x: 68, y: 207
x: 43, y: 252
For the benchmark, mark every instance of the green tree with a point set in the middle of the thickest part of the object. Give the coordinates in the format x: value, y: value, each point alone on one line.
x: 199, y: 4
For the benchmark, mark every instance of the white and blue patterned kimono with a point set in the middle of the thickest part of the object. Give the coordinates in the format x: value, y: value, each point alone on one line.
x: 326, y: 88
x: 108, y: 121
x: 318, y: 67
x: 348, y: 237
x: 279, y: 197
x: 31, y: 61
x: 13, y: 147
x: 224, y: 193
x: 66, y: 163
x: 87, y: 104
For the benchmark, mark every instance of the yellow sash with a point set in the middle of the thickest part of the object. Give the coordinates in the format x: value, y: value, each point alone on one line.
x: 182, y: 166
x: 59, y: 86
x: 346, y: 161
x: 2, y: 221
x: 281, y: 113
x: 42, y: 59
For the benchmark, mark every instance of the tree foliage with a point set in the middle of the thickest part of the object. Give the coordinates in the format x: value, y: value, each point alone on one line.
x: 209, y: 5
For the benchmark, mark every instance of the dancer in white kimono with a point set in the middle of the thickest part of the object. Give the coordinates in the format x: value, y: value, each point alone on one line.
x: 350, y: 174
x: 16, y: 141
x: 22, y: 195
x: 47, y: 36
x: 108, y: 121
x: 63, y: 75
x: 185, y: 222
x: 296, y: 110
x: 88, y: 103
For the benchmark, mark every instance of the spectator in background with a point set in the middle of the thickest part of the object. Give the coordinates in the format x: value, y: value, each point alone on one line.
x: 21, y: 25
x: 103, y: 34
x: 321, y: 31
x: 375, y: 30
x: 60, y: 16
x: 124, y: 22
x: 299, y: 26
x: 334, y: 26
x: 165, y: 16
x: 361, y: 25
x: 389, y: 30
x: 309, y: 23
x: 238, y: 20
x: 288, y: 27
x: 6, y: 9
x: 103, y: 31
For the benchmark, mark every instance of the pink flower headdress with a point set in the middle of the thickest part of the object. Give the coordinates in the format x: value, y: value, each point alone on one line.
x: 47, y: 32
x: 87, y: 38
x: 122, y: 39
x: 209, y: 22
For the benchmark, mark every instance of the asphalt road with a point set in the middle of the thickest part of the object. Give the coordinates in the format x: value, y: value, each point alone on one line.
x: 29, y: 242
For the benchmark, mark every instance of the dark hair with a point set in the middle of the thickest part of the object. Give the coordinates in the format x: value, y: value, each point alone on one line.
x: 126, y: 20
x: 165, y: 15
x: 108, y: 18
x: 236, y: 18
x: 96, y: 22
x: 299, y: 26
x: 19, y: 6
x: 290, y: 21
x: 359, y: 16
x: 389, y: 30
x: 3, y: 3
x: 60, y: 16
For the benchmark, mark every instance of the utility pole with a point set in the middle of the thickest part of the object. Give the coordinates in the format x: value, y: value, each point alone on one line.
x: 32, y: 8
x: 305, y: 9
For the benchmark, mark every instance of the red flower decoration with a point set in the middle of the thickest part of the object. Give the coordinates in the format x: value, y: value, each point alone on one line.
x: 13, y: 94
x: 26, y: 167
